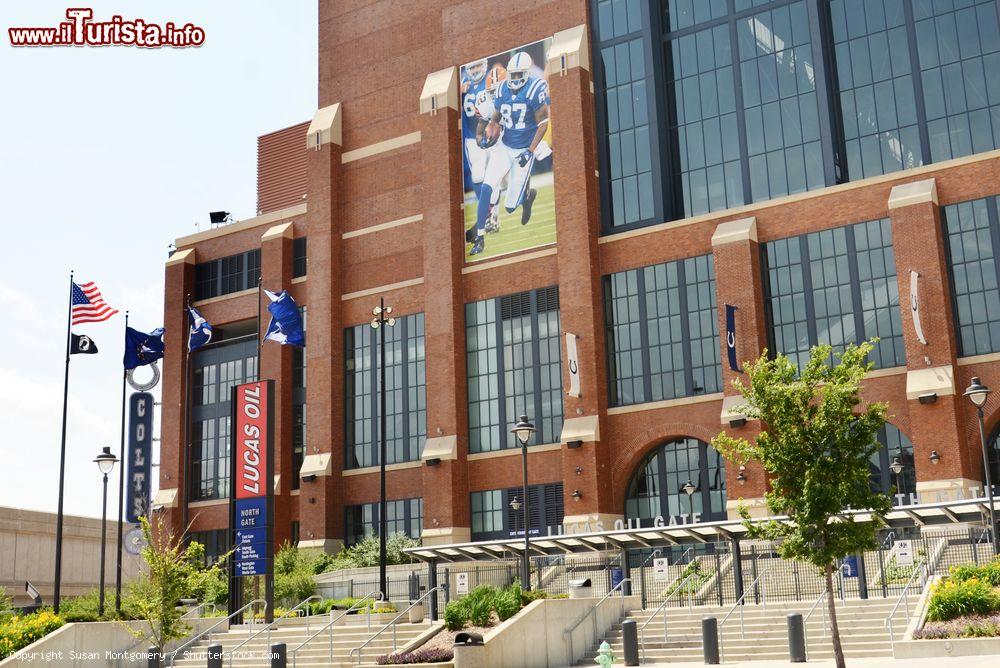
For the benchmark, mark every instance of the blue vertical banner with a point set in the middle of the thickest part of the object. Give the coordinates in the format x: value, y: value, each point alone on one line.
x: 731, y: 338
x: 140, y: 442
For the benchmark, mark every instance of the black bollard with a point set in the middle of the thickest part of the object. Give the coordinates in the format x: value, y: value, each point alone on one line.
x: 710, y: 640
x: 630, y: 639
x: 153, y: 657
x: 279, y: 655
x: 796, y: 639
x: 214, y: 656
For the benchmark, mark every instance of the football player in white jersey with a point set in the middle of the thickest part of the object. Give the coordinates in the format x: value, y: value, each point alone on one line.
x: 473, y: 83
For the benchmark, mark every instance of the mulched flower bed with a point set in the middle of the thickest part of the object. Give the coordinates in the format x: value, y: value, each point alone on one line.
x: 969, y: 626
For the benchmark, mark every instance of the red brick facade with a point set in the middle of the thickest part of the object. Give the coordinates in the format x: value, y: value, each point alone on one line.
x: 417, y: 266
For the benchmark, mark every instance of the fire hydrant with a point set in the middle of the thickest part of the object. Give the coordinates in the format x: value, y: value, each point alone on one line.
x: 604, y: 655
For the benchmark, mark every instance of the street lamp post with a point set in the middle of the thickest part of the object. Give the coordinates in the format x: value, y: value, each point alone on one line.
x: 523, y: 431
x: 978, y: 393
x: 105, y: 463
x: 690, y: 489
x: 379, y: 322
x: 896, y: 467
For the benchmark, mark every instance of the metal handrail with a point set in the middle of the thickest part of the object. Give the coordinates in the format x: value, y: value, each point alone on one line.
x: 657, y: 552
x: 372, y: 596
x: 904, y: 599
x: 739, y: 604
x: 805, y: 620
x: 593, y: 611
x: 208, y: 632
x: 663, y: 607
x: 392, y: 623
x: 205, y: 606
x: 891, y: 536
x: 983, y: 535
x: 268, y: 628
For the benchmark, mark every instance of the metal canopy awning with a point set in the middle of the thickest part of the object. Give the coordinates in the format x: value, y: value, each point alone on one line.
x: 967, y: 511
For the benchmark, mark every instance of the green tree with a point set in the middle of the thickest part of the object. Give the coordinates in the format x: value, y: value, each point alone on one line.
x: 815, y: 445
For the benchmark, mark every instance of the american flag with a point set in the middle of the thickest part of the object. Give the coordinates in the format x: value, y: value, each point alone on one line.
x: 88, y: 305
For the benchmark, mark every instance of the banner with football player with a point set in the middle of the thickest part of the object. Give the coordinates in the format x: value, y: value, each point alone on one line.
x: 507, y: 152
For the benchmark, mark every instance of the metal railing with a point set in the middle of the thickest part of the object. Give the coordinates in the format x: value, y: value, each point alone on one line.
x: 392, y: 624
x: 207, y: 633
x: 683, y: 584
x: 740, y: 604
x: 642, y: 575
x: 203, y: 606
x: 274, y: 622
x: 371, y: 597
x: 904, y: 600
x: 593, y: 613
x: 805, y: 620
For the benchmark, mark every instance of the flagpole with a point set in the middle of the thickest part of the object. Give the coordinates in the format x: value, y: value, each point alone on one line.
x: 62, y: 451
x: 260, y: 287
x: 121, y: 488
x: 186, y: 450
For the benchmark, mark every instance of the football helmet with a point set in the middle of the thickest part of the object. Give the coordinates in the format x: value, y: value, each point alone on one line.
x: 476, y: 70
x: 496, y: 76
x: 517, y: 70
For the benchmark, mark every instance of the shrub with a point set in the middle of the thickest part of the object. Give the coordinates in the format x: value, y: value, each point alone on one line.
x: 84, y: 608
x: 955, y: 598
x: 533, y: 595
x: 20, y: 631
x: 328, y: 604
x: 437, y: 655
x: 455, y: 615
x: 365, y: 553
x: 507, y: 602
x: 5, y: 601
x: 989, y: 572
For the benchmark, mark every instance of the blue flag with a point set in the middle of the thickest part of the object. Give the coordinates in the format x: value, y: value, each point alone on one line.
x: 142, y: 348
x: 286, y: 321
x: 201, y: 331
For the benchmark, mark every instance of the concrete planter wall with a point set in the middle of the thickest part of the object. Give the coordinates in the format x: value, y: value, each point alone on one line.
x: 919, y: 649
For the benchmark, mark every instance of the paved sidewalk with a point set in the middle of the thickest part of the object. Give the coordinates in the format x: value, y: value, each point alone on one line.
x: 991, y: 661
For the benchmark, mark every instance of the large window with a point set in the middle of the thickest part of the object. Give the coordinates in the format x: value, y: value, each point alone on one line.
x: 513, y: 366
x: 298, y: 412
x: 838, y: 287
x: 494, y: 516
x: 662, y: 331
x: 215, y: 542
x: 894, y: 445
x: 704, y: 105
x: 973, y: 239
x: 406, y: 400
x: 299, y: 257
x: 216, y: 370
x: 656, y: 491
x: 227, y: 275
x: 403, y: 516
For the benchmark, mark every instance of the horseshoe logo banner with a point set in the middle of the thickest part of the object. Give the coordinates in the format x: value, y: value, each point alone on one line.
x: 731, y: 338
x: 915, y: 306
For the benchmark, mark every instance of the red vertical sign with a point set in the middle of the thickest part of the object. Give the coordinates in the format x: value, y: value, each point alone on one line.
x: 250, y: 435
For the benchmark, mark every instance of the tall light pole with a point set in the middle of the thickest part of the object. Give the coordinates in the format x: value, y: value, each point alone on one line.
x: 379, y: 323
x: 523, y: 431
x: 978, y: 393
x: 106, y: 464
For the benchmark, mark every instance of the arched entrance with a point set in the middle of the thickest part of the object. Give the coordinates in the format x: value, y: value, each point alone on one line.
x: 656, y: 490
x: 894, y: 445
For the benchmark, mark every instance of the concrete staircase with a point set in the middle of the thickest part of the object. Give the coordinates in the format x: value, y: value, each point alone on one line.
x: 317, y: 653
x: 764, y: 634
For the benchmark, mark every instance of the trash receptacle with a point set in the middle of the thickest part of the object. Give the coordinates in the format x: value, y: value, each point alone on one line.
x: 582, y: 588
x: 469, y: 649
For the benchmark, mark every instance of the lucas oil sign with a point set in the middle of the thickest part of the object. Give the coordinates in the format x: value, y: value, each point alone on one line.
x: 252, y: 477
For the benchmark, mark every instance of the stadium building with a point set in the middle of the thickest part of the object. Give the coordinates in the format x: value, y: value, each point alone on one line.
x: 652, y: 186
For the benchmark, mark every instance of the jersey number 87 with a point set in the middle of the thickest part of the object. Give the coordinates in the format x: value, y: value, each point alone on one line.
x: 506, y: 114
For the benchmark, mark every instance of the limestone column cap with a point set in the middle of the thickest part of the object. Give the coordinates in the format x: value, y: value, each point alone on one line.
x: 569, y: 49
x: 586, y: 428
x: 915, y: 192
x: 282, y: 231
x: 165, y: 498
x: 743, y: 229
x: 326, y: 127
x: 440, y: 91
x: 185, y: 256
x: 445, y: 535
x: 317, y: 465
x: 938, y: 380
x: 730, y: 406
x: 440, y: 447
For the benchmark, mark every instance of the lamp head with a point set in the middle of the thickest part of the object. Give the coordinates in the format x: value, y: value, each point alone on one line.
x: 689, y: 488
x: 977, y: 392
x: 896, y: 466
x: 106, y: 461
x: 515, y: 504
x: 523, y: 429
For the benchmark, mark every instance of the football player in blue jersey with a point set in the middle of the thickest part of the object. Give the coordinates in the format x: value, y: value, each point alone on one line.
x: 473, y: 83
x: 521, y: 110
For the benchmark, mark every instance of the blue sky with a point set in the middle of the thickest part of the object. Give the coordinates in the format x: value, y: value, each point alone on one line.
x: 108, y: 154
